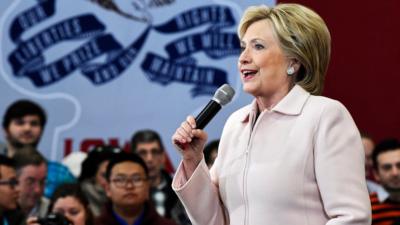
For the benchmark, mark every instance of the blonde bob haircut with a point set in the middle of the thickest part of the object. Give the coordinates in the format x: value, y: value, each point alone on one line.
x: 302, y: 35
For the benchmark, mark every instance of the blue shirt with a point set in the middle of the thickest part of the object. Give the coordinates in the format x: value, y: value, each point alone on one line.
x: 57, y: 174
x: 121, y: 221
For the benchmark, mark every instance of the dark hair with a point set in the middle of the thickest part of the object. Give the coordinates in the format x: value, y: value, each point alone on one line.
x: 5, y: 161
x: 386, y: 145
x: 75, y: 191
x: 28, y: 156
x: 145, y: 136
x: 210, y: 147
x: 95, y: 157
x: 23, y: 108
x: 125, y: 157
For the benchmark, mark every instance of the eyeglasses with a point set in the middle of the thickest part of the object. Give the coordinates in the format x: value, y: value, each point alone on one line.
x: 136, y: 181
x: 11, y: 182
x: 31, y: 182
x: 154, y: 151
x: 107, y: 148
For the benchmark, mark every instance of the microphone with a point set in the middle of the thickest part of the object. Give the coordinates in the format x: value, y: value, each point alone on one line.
x: 222, y: 96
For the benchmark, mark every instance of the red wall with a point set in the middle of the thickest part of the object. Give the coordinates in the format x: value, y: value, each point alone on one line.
x: 364, y: 73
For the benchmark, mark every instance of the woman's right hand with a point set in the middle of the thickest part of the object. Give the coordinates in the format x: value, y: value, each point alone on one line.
x: 190, y: 142
x: 32, y: 220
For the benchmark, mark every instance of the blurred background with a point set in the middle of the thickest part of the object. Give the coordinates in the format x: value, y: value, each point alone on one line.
x: 104, y: 71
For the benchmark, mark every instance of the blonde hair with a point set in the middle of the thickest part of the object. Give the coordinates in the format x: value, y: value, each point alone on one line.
x: 302, y: 35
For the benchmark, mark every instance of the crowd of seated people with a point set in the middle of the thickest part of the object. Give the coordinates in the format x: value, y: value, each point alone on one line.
x: 34, y: 189
x: 113, y: 186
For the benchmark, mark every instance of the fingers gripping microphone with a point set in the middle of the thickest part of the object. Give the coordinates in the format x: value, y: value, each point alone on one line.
x: 222, y: 96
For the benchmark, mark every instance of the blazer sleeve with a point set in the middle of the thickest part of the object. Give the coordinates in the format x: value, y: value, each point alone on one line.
x: 339, y: 168
x: 199, y: 195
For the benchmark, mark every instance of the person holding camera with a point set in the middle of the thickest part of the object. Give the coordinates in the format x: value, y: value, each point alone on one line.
x: 68, y: 206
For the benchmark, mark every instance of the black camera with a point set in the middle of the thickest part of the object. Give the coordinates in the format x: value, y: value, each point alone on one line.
x: 54, y: 219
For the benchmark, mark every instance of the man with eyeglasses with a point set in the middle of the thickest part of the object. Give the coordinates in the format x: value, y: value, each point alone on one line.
x: 31, y: 168
x: 8, y: 192
x: 128, y: 189
x: 386, y: 164
x: 148, y: 145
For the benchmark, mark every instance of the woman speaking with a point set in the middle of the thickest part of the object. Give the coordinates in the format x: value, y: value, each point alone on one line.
x: 291, y: 157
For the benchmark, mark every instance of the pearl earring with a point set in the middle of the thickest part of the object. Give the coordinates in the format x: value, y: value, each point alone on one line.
x: 290, y: 71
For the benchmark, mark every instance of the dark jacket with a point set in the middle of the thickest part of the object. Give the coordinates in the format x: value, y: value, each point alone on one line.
x: 171, y: 198
x: 171, y: 204
x: 14, y: 217
x: 150, y: 217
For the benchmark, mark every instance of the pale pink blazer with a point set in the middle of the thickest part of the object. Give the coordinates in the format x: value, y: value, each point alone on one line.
x: 302, y: 163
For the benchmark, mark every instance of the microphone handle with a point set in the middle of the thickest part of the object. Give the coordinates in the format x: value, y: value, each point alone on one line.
x: 207, y: 114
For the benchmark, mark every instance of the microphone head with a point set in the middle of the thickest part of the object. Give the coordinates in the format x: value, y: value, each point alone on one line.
x: 224, y: 94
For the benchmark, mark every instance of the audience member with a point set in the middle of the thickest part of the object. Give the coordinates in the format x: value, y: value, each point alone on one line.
x: 128, y: 189
x: 69, y: 201
x: 8, y: 192
x: 369, y: 146
x: 211, y: 152
x: 23, y: 125
x: 31, y: 169
x: 386, y: 162
x: 148, y: 145
x: 93, y: 179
